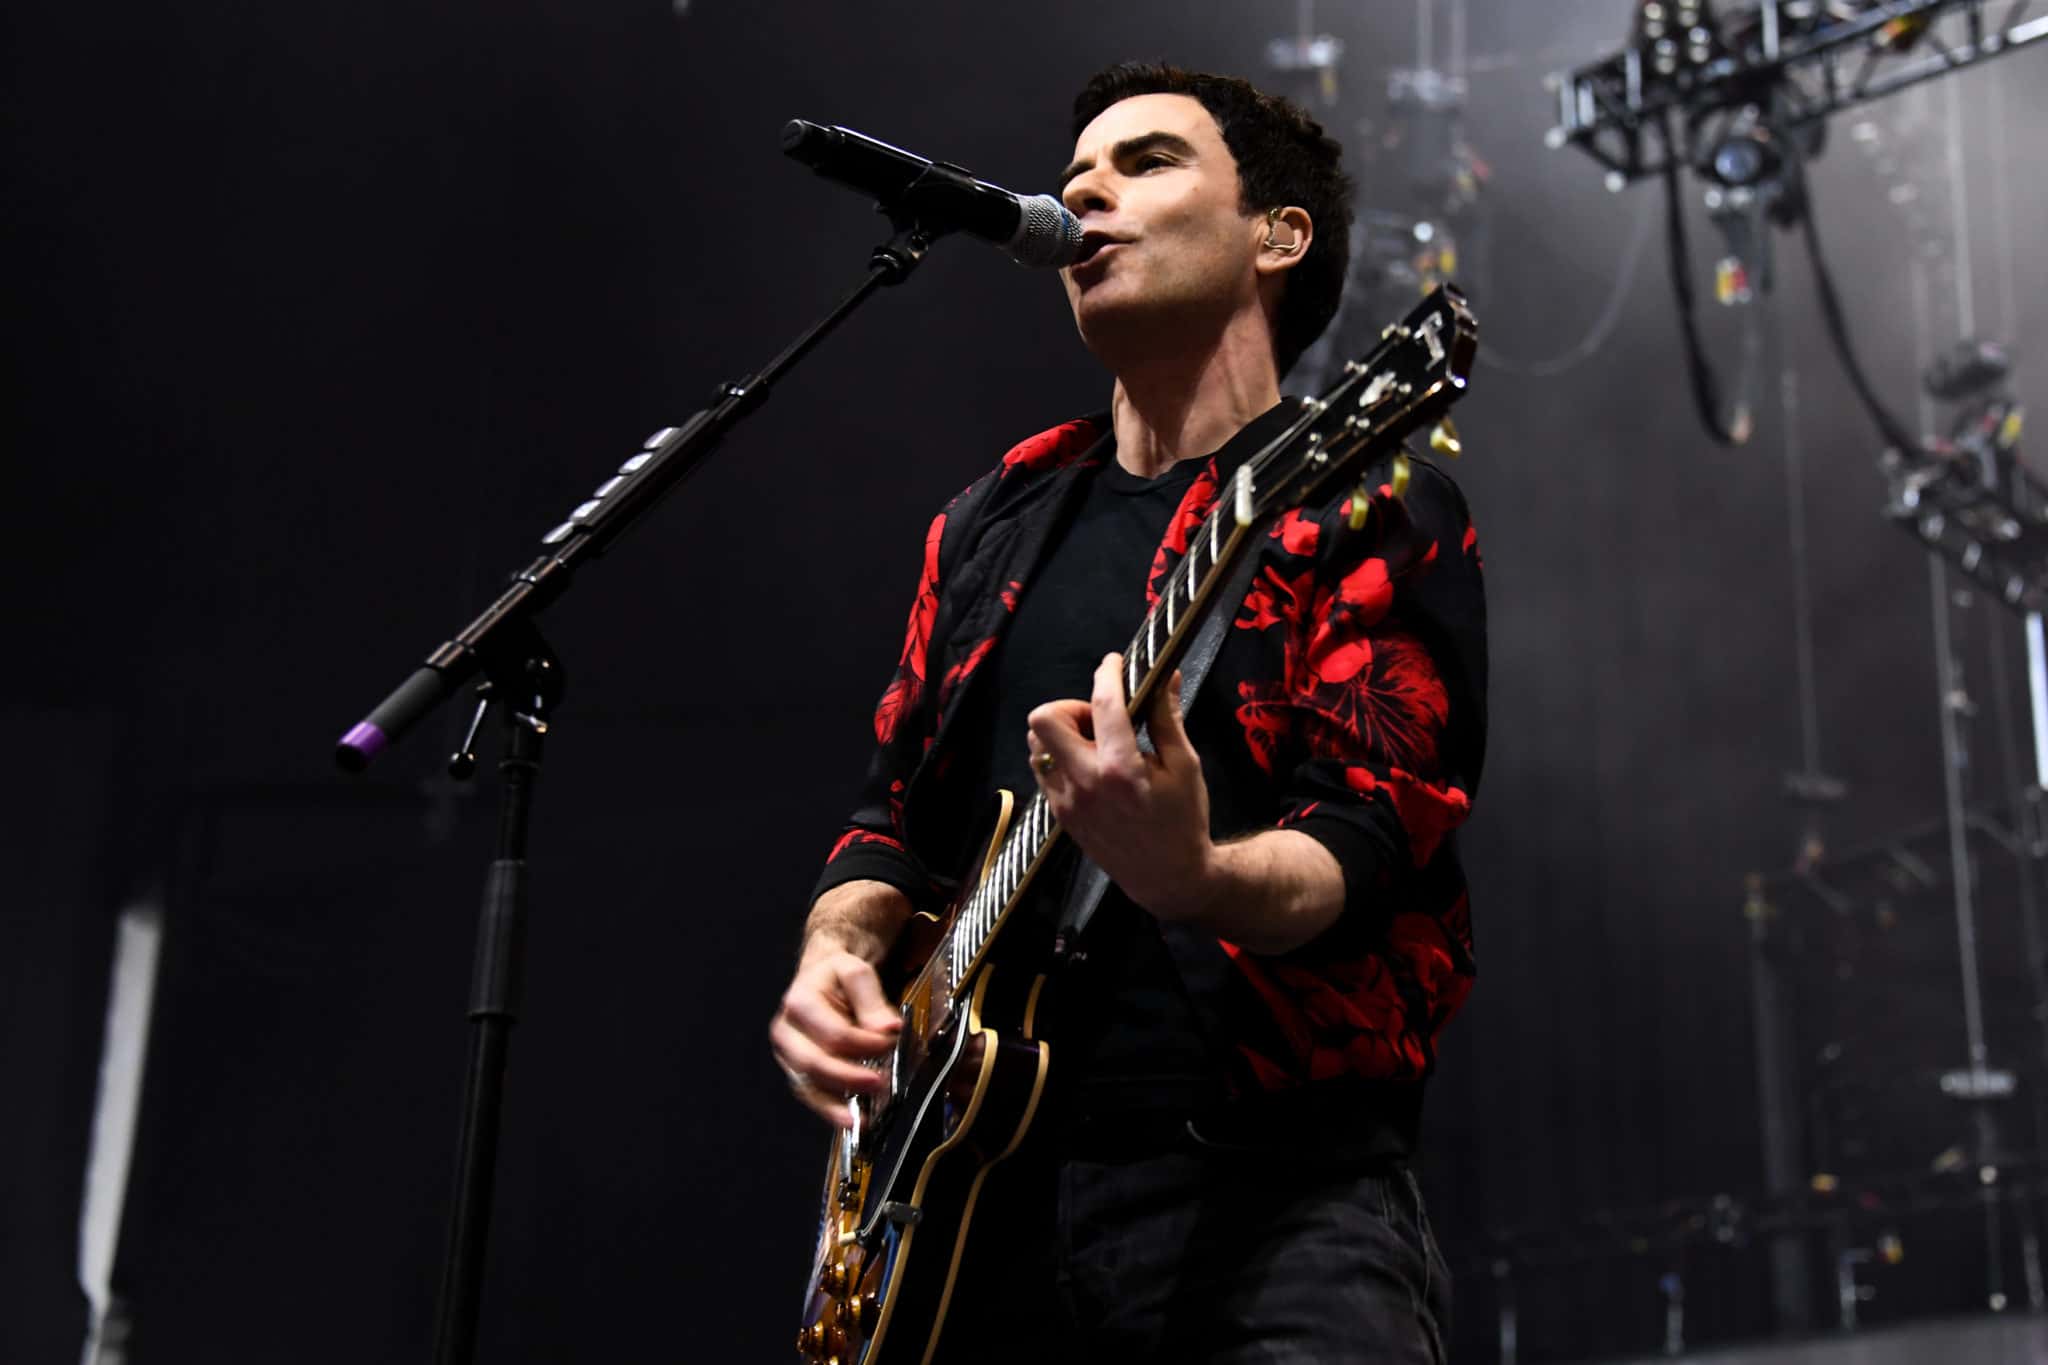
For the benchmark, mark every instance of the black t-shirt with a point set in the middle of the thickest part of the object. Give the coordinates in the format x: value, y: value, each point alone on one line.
x: 1127, y: 1029
x: 1087, y: 601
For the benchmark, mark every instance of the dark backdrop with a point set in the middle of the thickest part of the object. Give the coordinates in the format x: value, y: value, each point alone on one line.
x: 319, y: 315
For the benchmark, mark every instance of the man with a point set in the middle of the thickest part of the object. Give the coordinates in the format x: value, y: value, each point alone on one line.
x: 1221, y: 1172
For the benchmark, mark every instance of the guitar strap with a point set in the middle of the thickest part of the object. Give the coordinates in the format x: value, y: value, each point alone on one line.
x: 1091, y: 882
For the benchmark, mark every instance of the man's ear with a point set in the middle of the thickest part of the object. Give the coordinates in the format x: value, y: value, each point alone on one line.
x: 1287, y: 234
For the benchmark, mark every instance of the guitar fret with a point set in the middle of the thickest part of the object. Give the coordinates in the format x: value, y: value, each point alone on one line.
x: 1215, y: 525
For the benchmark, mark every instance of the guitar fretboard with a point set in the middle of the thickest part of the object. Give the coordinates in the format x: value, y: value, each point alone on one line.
x: 1150, y: 651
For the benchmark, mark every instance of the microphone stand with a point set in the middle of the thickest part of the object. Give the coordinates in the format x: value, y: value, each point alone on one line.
x: 523, y: 677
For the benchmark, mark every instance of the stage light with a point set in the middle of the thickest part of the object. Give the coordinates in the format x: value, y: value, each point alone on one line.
x: 1746, y: 157
x: 1676, y: 36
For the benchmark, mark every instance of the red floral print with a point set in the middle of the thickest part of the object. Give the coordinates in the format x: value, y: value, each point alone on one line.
x: 1194, y: 507
x: 855, y: 837
x: 1050, y: 449
x: 903, y: 693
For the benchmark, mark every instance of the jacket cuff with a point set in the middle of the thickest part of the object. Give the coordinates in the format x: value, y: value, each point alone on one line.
x: 877, y: 862
x: 1364, y: 853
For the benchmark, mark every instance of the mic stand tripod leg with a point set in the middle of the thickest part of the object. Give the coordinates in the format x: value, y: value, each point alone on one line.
x: 527, y: 695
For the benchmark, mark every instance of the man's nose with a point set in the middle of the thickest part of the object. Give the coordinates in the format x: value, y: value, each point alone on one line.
x: 1088, y: 192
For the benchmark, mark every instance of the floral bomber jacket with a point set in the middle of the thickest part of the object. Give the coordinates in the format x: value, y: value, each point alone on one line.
x: 1348, y: 702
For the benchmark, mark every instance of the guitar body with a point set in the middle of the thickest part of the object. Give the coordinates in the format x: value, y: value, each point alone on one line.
x: 900, y: 1197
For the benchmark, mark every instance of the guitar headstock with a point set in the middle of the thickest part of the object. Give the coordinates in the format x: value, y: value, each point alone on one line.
x: 1419, y: 368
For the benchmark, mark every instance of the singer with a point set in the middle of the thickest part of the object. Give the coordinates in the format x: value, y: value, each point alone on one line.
x: 1221, y: 1169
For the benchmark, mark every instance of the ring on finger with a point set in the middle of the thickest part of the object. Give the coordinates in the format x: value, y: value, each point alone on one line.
x: 1044, y: 762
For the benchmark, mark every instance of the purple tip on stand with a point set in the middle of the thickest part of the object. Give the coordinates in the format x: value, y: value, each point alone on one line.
x: 359, y: 746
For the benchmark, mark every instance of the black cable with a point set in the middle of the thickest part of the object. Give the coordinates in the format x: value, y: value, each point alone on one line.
x: 1706, y: 391
x: 1888, y: 426
x: 1603, y: 326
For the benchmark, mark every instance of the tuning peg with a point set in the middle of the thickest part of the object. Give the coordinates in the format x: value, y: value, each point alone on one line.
x: 1402, y: 472
x: 1444, y: 440
x: 1360, y: 508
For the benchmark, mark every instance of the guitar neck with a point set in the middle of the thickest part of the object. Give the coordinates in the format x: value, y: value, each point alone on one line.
x: 1149, y: 660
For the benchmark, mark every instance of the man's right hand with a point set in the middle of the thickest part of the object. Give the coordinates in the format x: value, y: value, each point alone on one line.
x: 834, y: 1015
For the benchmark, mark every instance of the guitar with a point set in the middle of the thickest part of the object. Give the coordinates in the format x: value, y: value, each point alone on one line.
x: 969, y: 1068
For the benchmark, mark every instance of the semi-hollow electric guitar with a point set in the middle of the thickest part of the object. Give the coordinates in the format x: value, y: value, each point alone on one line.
x: 969, y: 1068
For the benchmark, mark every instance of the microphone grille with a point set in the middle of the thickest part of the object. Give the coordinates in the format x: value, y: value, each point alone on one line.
x: 1047, y: 235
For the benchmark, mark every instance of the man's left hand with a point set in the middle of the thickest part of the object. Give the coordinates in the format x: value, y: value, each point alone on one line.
x: 1143, y: 818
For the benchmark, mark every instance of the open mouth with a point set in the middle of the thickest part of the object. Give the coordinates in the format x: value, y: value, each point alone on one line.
x: 1093, y: 244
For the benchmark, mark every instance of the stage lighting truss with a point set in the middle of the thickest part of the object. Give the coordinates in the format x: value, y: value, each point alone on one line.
x: 1969, y: 499
x: 1802, y: 59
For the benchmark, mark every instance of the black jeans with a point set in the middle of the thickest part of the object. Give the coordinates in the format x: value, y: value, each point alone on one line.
x: 1193, y: 1253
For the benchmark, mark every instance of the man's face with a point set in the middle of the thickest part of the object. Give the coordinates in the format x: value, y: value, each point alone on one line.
x: 1153, y: 182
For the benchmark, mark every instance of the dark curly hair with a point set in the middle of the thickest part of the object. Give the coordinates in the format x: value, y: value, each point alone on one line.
x: 1283, y: 158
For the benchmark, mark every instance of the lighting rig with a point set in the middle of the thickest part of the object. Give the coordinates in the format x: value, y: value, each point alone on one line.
x: 1416, y: 221
x: 1742, y: 99
x: 1965, y: 493
x: 1686, y: 67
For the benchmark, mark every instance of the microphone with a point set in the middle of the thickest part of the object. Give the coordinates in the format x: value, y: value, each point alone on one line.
x: 1034, y: 230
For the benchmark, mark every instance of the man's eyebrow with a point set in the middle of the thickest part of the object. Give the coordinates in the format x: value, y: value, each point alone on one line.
x: 1133, y: 147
